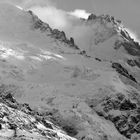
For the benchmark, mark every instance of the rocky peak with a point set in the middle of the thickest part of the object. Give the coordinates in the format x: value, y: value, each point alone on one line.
x: 60, y: 35
x: 105, y: 18
x: 38, y: 24
x: 92, y: 17
x: 109, y: 18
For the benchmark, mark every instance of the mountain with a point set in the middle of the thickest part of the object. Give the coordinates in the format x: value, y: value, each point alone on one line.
x: 87, y: 85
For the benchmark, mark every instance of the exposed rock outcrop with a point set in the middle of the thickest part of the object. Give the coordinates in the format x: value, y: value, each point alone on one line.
x: 123, y: 111
x: 19, y: 121
x: 104, y: 18
x: 123, y: 71
x: 92, y: 17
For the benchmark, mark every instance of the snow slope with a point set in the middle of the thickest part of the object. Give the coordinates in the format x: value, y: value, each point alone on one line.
x: 42, y: 67
x: 18, y: 122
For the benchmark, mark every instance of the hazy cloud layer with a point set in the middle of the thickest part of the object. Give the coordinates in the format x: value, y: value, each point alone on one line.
x: 37, y: 3
x: 63, y: 20
x: 67, y: 21
x: 53, y: 16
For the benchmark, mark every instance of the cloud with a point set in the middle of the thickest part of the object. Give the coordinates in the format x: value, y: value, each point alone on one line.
x: 68, y: 22
x: 26, y: 4
x: 51, y: 15
x: 80, y: 13
x: 133, y: 35
x: 65, y: 21
x: 48, y: 12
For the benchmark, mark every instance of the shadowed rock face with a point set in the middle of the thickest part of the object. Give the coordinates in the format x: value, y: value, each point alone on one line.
x: 132, y: 48
x: 92, y: 17
x: 134, y: 62
x: 123, y: 111
x: 123, y: 71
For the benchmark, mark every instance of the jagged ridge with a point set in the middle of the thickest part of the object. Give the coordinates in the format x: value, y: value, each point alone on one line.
x: 60, y: 35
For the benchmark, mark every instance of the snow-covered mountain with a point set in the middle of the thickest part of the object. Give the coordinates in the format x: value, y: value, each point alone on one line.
x: 88, y: 85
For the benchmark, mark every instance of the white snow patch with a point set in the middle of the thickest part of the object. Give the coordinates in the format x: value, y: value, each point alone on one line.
x: 19, y: 7
x: 35, y: 58
x: 7, y: 52
x: 80, y: 13
x: 40, y: 126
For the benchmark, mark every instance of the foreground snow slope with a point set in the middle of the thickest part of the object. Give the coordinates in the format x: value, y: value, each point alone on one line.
x: 71, y: 84
x: 18, y: 122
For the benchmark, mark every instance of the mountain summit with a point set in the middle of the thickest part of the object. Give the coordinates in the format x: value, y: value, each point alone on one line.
x: 82, y: 87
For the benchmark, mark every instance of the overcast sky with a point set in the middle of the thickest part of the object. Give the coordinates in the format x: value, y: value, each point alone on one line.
x: 126, y: 10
